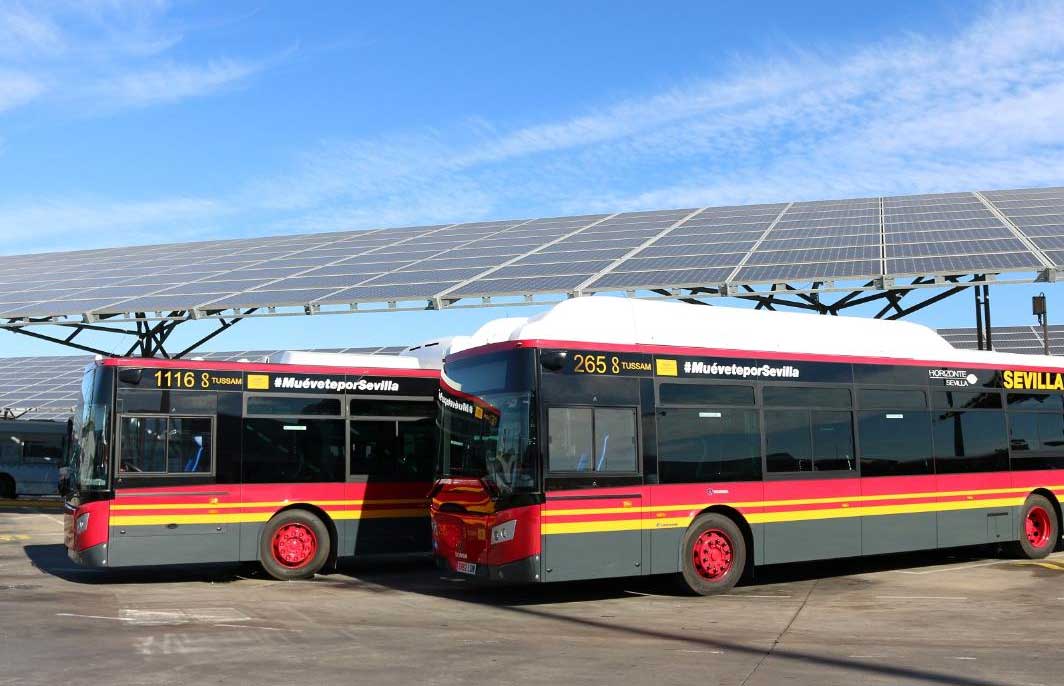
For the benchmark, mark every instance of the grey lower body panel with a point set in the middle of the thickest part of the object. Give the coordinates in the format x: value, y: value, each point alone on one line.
x: 975, y: 527
x: 899, y: 533
x: 817, y: 539
x: 665, y: 550
x: 568, y: 557
x: 188, y: 544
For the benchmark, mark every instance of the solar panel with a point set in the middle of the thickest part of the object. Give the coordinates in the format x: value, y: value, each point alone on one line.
x: 1010, y: 339
x: 943, y: 234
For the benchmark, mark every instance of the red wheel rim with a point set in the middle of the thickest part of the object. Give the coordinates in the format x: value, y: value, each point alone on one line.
x: 1037, y: 527
x: 713, y: 554
x: 294, y: 545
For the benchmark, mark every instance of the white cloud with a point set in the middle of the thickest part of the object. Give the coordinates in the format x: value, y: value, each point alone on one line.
x: 99, y: 55
x: 17, y: 89
x: 980, y: 108
x: 171, y: 83
x: 24, y: 33
x: 38, y: 225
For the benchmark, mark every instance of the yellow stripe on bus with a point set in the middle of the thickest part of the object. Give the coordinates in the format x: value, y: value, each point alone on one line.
x: 320, y: 503
x: 779, y: 517
x: 800, y: 501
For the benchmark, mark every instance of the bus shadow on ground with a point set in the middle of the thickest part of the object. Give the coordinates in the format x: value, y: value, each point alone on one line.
x: 770, y: 579
x: 415, y: 576
x: 53, y: 560
x: 547, y: 601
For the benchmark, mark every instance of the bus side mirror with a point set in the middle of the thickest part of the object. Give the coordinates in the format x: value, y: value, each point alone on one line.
x: 553, y: 360
x: 130, y: 375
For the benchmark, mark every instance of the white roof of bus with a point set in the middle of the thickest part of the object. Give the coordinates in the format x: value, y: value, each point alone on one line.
x: 631, y: 321
x: 347, y: 360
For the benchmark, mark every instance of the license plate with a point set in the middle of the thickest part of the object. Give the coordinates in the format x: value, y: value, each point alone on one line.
x: 465, y: 567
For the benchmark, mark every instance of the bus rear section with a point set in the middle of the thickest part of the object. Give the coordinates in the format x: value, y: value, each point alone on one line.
x: 292, y: 465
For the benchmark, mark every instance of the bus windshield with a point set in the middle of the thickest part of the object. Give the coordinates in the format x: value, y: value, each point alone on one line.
x: 89, y: 447
x: 487, y: 421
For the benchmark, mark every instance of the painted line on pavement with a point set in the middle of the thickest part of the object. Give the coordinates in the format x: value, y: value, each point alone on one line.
x: 920, y: 597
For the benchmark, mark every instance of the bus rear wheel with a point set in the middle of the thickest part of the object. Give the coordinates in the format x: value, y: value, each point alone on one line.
x: 295, y: 545
x: 714, y: 555
x: 1039, y: 528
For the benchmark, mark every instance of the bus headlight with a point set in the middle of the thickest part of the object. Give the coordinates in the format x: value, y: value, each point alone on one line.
x: 501, y: 533
x: 81, y: 523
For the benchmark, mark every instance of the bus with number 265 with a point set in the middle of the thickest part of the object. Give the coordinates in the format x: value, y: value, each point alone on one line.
x: 614, y: 437
x: 293, y: 464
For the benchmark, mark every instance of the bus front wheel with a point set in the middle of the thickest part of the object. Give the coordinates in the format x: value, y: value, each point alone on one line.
x: 295, y: 545
x: 714, y: 555
x: 1039, y: 528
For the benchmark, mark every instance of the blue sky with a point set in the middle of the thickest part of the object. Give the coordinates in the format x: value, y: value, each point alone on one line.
x: 126, y: 122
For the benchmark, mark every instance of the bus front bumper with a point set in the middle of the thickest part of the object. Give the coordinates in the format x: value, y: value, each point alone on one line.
x: 96, y: 556
x: 525, y: 571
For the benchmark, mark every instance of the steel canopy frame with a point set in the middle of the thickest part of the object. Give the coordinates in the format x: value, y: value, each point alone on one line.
x: 151, y: 331
x: 820, y: 256
x: 150, y: 335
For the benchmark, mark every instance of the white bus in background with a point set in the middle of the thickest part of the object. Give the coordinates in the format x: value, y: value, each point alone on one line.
x: 31, y: 453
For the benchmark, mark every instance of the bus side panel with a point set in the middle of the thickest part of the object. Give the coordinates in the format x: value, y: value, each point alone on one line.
x: 903, y: 519
x: 675, y: 506
x: 174, y: 525
x: 811, y: 531
x: 593, y: 533
x: 966, y: 516
x: 370, y: 518
x: 260, y: 502
x: 393, y: 519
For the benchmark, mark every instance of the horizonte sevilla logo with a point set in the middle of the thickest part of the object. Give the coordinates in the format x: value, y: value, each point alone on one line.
x: 337, y: 386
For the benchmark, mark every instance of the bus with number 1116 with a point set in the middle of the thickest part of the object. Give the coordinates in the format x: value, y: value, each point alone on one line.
x: 295, y: 463
x: 613, y: 437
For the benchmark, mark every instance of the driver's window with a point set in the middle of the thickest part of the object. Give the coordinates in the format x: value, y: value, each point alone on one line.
x: 585, y: 439
x: 166, y: 445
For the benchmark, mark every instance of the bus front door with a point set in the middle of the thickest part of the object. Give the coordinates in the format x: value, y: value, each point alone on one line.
x: 592, y: 516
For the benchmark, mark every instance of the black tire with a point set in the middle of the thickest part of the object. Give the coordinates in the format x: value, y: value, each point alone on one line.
x: 295, y: 545
x: 722, y: 555
x: 1039, y: 529
x: 7, y: 487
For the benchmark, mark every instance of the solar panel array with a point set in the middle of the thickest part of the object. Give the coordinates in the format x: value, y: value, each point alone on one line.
x: 49, y: 386
x: 1010, y: 339
x: 858, y: 239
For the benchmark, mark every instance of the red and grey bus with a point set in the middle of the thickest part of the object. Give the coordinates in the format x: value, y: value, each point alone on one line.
x: 611, y: 437
x: 293, y: 464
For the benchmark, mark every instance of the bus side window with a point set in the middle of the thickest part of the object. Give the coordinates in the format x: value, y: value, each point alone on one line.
x: 585, y: 439
x: 803, y: 438
x: 1036, y: 431
x: 708, y: 444
x: 895, y: 443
